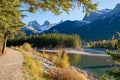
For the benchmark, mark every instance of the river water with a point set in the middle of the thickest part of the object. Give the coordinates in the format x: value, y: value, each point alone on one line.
x: 92, y: 60
x: 95, y: 64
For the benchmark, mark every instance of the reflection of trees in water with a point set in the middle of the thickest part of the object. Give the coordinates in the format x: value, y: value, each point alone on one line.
x: 74, y: 59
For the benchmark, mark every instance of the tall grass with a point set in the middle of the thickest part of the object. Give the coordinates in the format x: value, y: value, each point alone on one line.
x: 60, y: 59
x: 26, y: 46
x: 33, y: 68
x: 66, y: 74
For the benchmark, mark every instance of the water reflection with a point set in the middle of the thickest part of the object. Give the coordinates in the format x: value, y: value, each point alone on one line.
x: 74, y: 59
x: 95, y: 64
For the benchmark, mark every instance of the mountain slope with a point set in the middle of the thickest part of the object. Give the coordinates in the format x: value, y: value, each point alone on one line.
x: 103, y: 26
x: 67, y: 27
x: 34, y: 27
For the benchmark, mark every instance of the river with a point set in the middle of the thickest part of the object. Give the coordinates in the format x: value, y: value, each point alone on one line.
x: 92, y: 60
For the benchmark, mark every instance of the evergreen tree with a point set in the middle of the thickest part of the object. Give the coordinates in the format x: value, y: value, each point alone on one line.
x: 116, y: 57
x: 57, y: 6
x: 9, y: 19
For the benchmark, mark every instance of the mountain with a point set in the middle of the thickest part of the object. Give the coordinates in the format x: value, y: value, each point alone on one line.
x: 102, y: 24
x: 27, y: 31
x: 96, y: 15
x: 34, y: 27
x: 67, y: 27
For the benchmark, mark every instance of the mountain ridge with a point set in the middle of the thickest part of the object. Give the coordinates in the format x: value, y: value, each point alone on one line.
x: 102, y: 24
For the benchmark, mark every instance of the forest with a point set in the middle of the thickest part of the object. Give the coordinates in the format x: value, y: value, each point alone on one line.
x: 106, y: 44
x: 48, y: 41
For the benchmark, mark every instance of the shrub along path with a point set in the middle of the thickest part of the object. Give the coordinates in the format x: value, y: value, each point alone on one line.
x: 11, y: 65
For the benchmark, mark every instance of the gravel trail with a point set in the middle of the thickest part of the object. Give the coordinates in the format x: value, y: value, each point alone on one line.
x: 11, y: 65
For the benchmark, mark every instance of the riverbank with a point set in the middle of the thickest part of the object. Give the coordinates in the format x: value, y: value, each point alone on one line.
x: 49, y: 65
x: 73, y: 52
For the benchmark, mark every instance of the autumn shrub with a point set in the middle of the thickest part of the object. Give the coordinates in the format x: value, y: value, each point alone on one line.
x: 27, y: 47
x: 65, y: 74
x: 62, y: 60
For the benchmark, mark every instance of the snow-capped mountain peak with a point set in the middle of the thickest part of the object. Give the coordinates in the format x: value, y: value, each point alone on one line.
x: 46, y: 23
x: 118, y: 6
x: 96, y: 15
x: 35, y: 27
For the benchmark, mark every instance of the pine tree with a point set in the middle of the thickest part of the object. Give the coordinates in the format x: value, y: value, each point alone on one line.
x: 57, y: 6
x: 9, y: 19
x: 116, y: 57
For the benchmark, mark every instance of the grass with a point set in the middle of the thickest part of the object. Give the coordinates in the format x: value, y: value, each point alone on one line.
x: 66, y: 74
x: 33, y: 68
x: 26, y: 46
x: 60, y: 59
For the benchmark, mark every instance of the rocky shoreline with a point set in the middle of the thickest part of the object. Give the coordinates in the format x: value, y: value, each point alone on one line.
x: 47, y: 65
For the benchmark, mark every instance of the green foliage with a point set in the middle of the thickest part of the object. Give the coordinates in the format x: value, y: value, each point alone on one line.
x: 9, y: 20
x: 48, y: 40
x: 116, y: 57
x: 58, y: 6
x: 107, y: 78
x: 10, y: 17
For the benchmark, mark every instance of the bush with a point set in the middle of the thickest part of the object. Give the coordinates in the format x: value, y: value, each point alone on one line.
x: 62, y: 60
x: 65, y: 74
x: 27, y: 47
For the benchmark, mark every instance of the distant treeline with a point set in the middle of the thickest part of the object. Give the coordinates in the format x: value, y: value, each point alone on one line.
x: 48, y: 41
x: 107, y: 44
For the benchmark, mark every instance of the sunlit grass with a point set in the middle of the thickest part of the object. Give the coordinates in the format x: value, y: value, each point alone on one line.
x: 33, y: 68
x: 66, y: 74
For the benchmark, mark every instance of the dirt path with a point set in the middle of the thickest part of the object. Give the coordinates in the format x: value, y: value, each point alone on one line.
x: 11, y: 65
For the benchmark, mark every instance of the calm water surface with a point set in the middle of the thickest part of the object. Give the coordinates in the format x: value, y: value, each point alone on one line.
x: 95, y: 64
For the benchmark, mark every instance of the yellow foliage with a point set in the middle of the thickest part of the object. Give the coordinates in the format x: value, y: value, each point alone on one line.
x: 62, y: 60
x: 27, y: 47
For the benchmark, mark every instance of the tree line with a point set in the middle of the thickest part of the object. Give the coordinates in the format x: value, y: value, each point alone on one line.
x: 107, y: 44
x: 48, y: 41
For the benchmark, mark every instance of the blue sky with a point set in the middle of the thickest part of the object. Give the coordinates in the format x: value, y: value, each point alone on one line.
x: 75, y: 14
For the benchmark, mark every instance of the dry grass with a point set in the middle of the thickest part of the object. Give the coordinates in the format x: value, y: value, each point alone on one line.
x: 60, y: 59
x: 26, y: 47
x: 33, y: 68
x: 65, y: 74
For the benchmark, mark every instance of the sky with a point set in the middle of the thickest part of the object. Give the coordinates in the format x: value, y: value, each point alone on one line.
x: 74, y: 14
